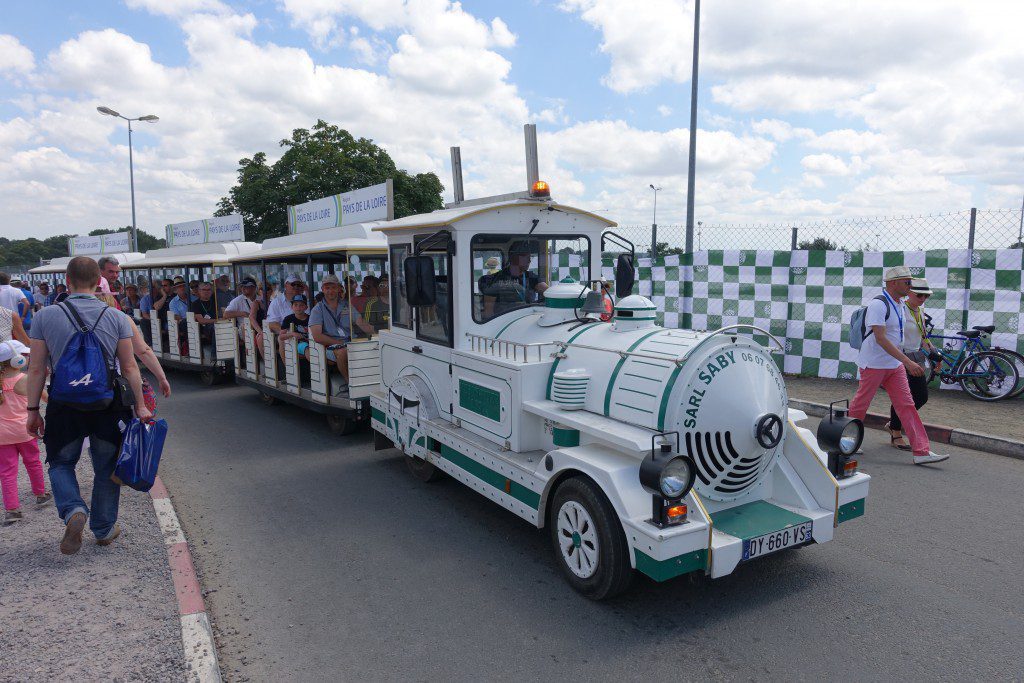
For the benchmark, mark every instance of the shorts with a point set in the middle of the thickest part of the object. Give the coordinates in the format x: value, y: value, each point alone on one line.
x: 301, y: 348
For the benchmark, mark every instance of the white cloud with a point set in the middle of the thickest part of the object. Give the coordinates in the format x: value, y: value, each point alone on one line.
x: 780, y: 131
x: 15, y: 58
x: 829, y: 164
x: 664, y: 110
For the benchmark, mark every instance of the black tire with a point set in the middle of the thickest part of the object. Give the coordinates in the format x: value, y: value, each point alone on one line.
x: 1018, y: 362
x: 999, y: 385
x: 211, y: 378
x: 612, y: 573
x: 267, y: 399
x: 423, y: 470
x: 342, y: 426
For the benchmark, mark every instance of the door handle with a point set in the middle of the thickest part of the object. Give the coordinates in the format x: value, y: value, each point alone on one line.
x: 417, y: 349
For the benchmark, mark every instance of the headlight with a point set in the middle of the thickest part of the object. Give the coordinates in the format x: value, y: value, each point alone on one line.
x: 840, y: 436
x: 852, y: 435
x: 676, y: 478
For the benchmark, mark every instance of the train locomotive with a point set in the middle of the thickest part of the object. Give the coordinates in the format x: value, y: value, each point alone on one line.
x: 638, y: 448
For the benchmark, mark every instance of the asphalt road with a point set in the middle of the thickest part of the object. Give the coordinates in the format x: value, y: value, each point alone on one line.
x: 327, y: 560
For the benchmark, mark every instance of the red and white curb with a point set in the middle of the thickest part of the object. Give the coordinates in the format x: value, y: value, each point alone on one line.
x: 196, y: 633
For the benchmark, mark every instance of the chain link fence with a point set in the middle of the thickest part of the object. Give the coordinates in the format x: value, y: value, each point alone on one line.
x: 971, y: 228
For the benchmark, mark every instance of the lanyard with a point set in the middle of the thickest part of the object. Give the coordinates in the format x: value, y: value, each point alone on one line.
x: 898, y: 307
x: 206, y: 311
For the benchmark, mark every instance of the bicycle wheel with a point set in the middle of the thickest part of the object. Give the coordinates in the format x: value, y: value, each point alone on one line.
x: 992, y: 376
x: 1018, y: 362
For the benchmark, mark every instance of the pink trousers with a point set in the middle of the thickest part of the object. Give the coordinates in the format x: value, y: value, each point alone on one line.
x: 9, y: 453
x: 895, y: 383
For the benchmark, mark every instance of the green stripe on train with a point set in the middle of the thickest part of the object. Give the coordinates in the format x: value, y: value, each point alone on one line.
x: 490, y: 477
x: 663, y: 570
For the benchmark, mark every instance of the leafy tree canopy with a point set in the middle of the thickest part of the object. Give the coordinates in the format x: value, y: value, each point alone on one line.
x: 320, y: 162
x: 29, y: 252
x: 819, y: 244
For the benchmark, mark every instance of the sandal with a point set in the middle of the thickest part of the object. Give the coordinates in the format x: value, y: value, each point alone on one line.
x: 895, y: 436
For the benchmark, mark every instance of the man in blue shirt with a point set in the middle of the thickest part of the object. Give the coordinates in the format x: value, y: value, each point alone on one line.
x: 23, y: 310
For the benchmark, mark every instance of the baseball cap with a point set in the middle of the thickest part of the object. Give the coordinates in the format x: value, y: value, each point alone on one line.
x: 898, y: 273
x: 11, y: 347
x: 492, y: 264
x: 15, y: 280
x: 920, y: 286
x: 300, y: 299
x: 330, y: 279
x: 248, y: 282
x: 292, y: 279
x: 178, y: 280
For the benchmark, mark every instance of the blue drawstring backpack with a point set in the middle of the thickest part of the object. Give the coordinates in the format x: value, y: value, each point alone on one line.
x: 139, y: 458
x: 83, y: 375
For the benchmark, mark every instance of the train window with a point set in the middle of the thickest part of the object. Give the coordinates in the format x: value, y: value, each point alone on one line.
x: 512, y: 271
x: 401, y: 312
x: 433, y: 323
x: 368, y: 293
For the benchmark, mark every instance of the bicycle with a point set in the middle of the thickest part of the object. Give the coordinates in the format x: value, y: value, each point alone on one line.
x: 986, y: 375
x: 1018, y: 359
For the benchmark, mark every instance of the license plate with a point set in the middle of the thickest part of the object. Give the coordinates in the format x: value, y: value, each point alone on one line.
x: 777, y: 540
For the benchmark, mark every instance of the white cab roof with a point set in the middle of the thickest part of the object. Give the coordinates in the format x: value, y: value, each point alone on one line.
x: 59, y: 265
x: 443, y: 217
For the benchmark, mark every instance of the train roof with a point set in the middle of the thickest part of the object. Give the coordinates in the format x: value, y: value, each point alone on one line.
x: 212, y: 252
x: 356, y: 237
x: 60, y: 264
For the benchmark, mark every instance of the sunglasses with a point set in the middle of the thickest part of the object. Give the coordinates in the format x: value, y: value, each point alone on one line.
x: 921, y: 296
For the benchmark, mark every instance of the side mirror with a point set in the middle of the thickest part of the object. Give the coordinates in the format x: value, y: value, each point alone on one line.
x: 625, y: 276
x: 420, y: 285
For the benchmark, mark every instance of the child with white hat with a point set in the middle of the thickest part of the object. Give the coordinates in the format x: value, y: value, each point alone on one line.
x: 15, y: 442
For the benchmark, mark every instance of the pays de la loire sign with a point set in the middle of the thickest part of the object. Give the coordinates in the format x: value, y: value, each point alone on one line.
x: 217, y: 229
x: 374, y: 203
x: 84, y: 245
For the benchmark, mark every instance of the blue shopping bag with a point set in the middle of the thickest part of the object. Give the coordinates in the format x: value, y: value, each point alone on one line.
x: 140, y: 454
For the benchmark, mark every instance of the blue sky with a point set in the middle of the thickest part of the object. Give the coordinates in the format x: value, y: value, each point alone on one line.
x: 806, y: 111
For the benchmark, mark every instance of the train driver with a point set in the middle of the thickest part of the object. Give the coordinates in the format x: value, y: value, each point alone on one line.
x: 514, y: 286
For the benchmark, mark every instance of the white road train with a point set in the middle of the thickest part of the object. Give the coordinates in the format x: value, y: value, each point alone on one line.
x: 662, y: 451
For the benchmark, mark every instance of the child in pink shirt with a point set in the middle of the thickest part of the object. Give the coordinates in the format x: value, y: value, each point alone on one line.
x: 14, y: 439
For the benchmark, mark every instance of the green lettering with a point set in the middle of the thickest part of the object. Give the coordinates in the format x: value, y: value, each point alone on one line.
x: 705, y: 377
x: 722, y: 362
x: 731, y: 355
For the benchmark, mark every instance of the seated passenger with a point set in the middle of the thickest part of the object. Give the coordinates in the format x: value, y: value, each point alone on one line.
x: 296, y: 326
x: 514, y: 286
x: 179, y: 308
x: 375, y: 308
x: 331, y: 321
x: 205, y: 309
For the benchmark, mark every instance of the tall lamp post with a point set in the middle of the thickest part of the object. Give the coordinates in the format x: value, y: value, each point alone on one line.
x: 654, y: 223
x: 693, y: 130
x: 148, y: 118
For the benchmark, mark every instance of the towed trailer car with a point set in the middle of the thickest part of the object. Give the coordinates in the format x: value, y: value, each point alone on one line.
x: 639, y: 448
x: 56, y: 267
x: 278, y: 370
x: 204, y: 263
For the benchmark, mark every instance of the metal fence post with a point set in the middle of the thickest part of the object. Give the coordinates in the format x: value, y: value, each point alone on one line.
x: 970, y: 268
x: 795, y: 232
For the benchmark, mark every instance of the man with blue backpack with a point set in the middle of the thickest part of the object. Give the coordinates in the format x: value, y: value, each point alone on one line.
x: 83, y: 340
x: 877, y: 333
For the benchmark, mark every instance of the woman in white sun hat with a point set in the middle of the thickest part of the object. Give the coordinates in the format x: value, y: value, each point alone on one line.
x: 918, y: 348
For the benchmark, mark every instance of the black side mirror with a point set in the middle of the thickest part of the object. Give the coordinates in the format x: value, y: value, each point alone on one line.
x: 420, y: 284
x: 625, y: 276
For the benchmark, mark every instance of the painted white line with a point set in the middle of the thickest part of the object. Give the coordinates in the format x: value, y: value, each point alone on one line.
x: 168, y: 521
x: 200, y: 655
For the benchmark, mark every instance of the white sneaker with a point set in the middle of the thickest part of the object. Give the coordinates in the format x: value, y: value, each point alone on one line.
x: 930, y: 458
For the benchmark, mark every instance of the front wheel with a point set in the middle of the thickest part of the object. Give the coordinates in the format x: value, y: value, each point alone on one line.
x: 588, y: 540
x: 423, y: 470
x: 1018, y: 362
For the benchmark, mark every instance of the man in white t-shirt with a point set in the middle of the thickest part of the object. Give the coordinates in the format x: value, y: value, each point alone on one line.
x: 281, y: 307
x: 11, y: 297
x: 240, y: 306
x: 882, y: 362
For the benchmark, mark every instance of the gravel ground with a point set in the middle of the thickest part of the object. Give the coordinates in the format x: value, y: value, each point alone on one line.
x: 104, y: 614
x: 945, y: 407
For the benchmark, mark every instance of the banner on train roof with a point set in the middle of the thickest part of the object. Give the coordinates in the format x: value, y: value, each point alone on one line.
x: 86, y: 245
x: 374, y: 203
x: 217, y: 229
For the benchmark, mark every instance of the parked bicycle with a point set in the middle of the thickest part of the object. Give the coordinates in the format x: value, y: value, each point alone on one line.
x: 985, y: 374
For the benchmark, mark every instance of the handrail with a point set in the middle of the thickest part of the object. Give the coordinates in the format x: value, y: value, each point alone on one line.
x: 501, y: 347
x: 624, y: 354
x: 720, y: 330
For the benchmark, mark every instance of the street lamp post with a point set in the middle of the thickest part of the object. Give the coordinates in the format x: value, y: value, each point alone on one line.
x: 654, y: 223
x: 693, y: 130
x: 148, y: 118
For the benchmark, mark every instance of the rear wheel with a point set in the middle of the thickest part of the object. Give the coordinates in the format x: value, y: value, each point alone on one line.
x: 423, y: 470
x: 267, y: 399
x: 588, y: 540
x: 342, y: 426
x: 211, y: 378
x: 1018, y: 362
x: 996, y: 376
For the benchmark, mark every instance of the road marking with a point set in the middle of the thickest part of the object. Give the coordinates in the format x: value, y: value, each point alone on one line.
x: 196, y: 632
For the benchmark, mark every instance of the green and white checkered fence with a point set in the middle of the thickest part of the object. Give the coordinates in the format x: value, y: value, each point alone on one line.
x: 806, y: 298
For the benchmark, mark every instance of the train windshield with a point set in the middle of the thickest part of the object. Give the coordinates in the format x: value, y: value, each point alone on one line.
x: 511, y: 271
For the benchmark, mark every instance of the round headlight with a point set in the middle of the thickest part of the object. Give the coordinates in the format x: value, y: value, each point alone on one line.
x: 676, y: 479
x: 849, y: 440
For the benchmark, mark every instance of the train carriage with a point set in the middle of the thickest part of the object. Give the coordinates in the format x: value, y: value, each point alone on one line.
x: 276, y: 368
x: 640, y: 448
x: 55, y: 269
x: 182, y: 346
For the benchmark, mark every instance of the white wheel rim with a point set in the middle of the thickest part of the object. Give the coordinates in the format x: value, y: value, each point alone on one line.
x: 577, y: 539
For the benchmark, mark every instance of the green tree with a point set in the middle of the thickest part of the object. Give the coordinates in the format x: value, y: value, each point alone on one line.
x: 819, y: 244
x: 665, y: 250
x: 319, y: 162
